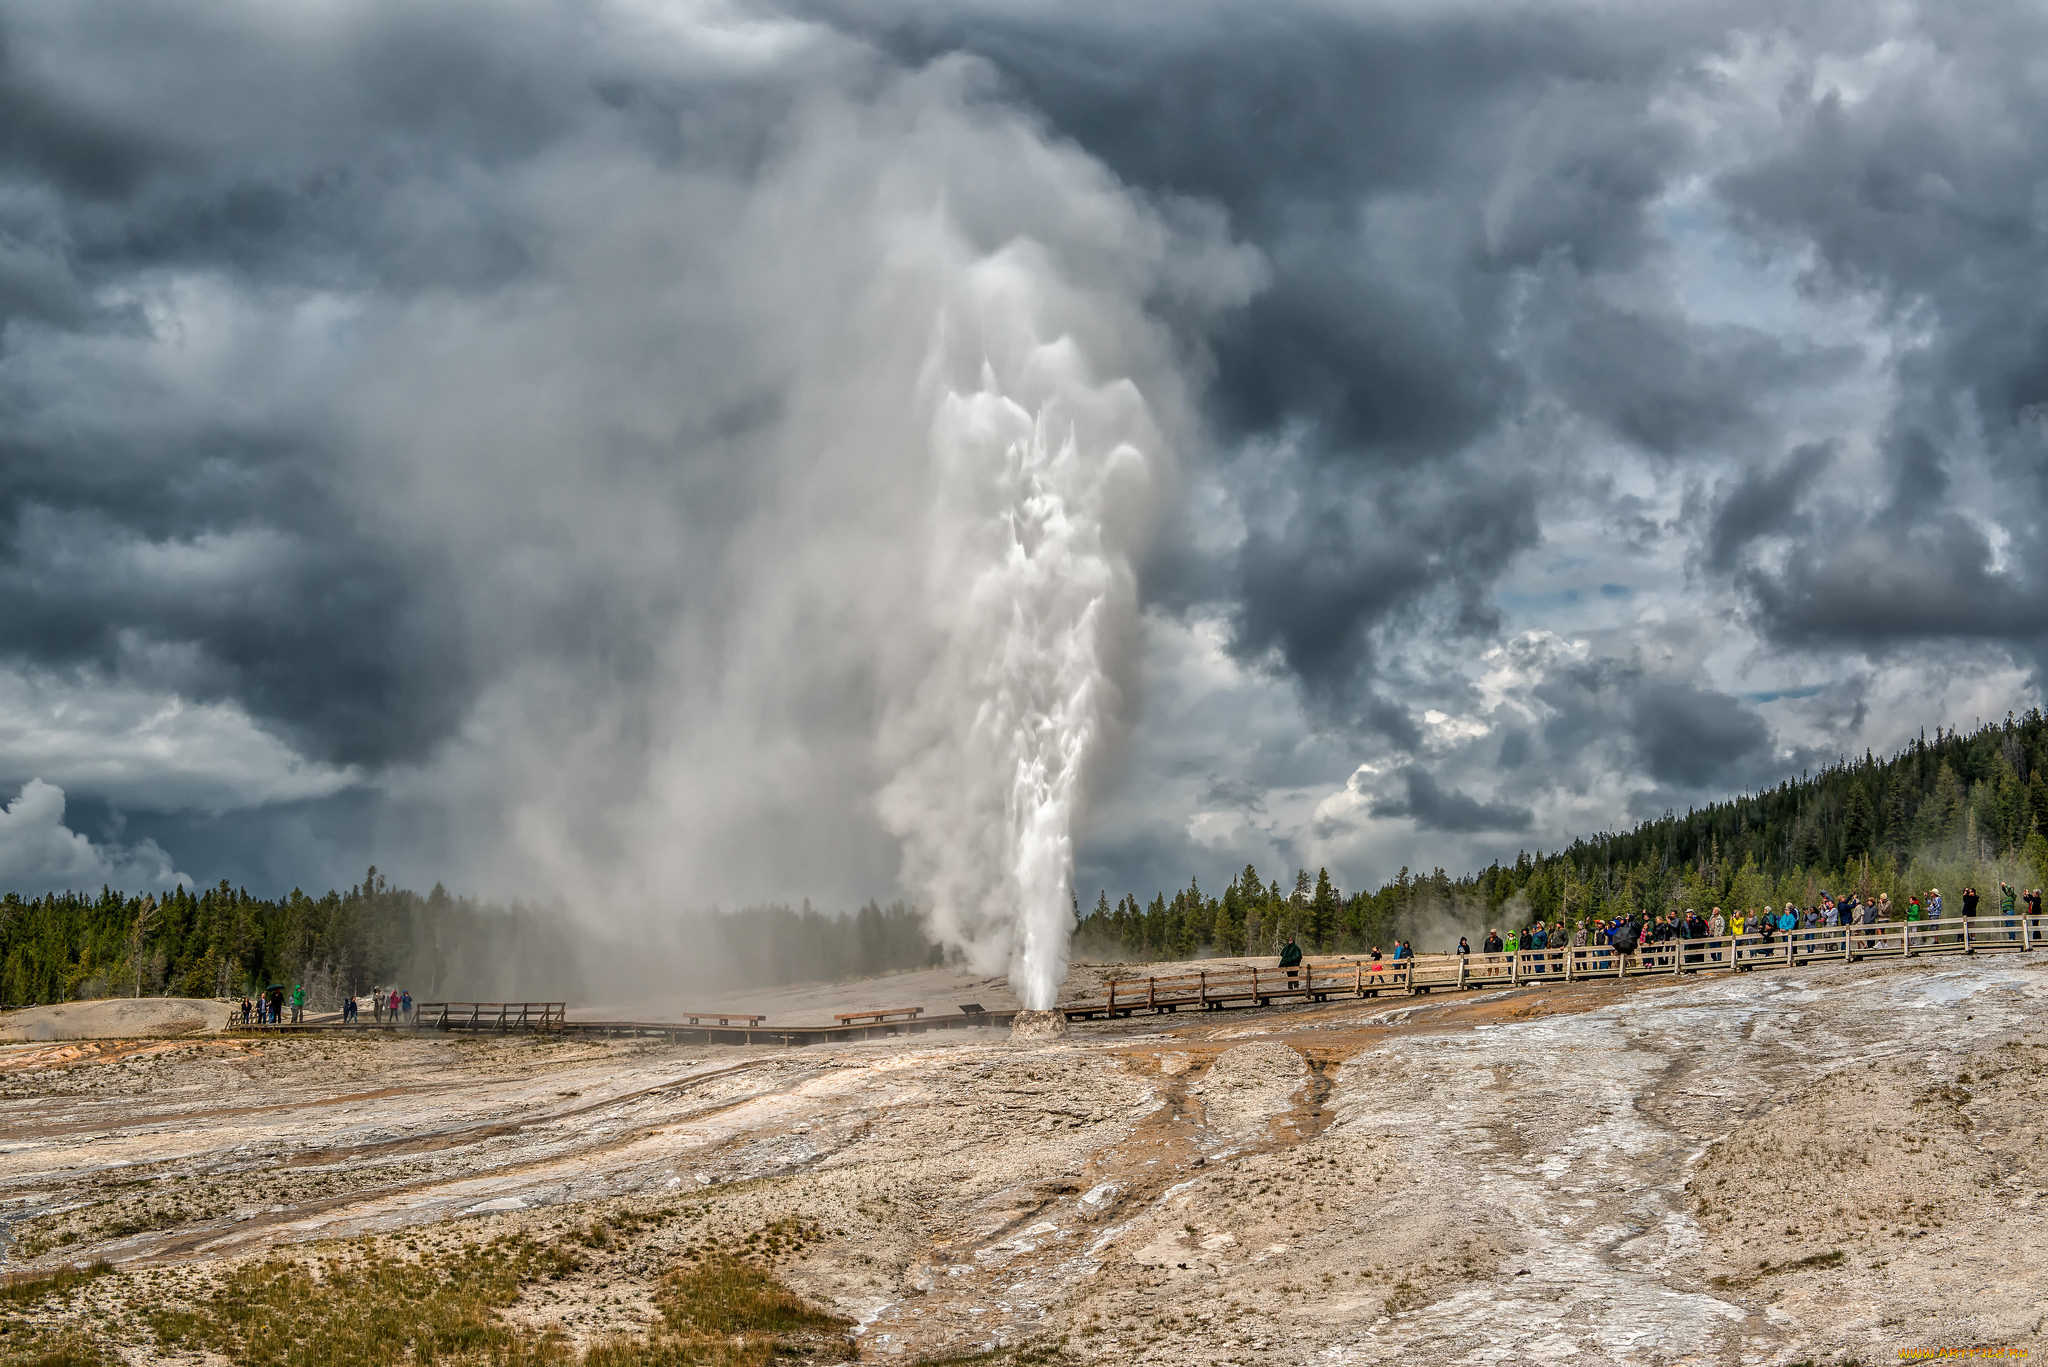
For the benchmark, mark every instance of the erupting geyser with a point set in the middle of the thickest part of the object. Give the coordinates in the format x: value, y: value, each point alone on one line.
x: 1044, y: 480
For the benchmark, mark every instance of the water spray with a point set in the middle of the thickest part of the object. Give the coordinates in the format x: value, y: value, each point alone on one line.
x: 1042, y: 474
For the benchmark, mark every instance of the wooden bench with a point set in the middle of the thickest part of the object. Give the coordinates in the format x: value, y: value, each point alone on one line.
x: 879, y: 1017
x: 721, y: 1018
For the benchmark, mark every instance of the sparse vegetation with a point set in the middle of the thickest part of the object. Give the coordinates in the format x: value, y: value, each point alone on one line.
x: 360, y: 1308
x: 27, y: 1345
x: 26, y: 1288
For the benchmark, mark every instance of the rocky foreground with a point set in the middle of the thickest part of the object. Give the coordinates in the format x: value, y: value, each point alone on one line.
x: 1832, y: 1163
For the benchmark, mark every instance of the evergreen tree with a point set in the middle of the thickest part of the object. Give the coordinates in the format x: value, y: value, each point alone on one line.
x: 1326, y: 910
x: 1859, y: 823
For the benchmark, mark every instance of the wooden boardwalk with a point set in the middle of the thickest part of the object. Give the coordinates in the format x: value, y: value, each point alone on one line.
x: 1239, y: 988
x: 701, y: 1027
x: 1231, y: 988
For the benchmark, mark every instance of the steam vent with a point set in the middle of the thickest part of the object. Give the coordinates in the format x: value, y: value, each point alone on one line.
x: 1037, y: 1025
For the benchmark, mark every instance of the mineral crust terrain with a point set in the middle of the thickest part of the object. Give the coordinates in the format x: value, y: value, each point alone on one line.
x: 1829, y: 1164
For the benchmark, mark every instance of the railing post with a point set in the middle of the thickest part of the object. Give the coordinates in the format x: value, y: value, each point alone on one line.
x: 1151, y: 993
x: 1202, y: 988
x: 1966, y: 937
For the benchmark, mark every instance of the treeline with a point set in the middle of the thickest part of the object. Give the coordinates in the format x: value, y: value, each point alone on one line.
x: 1961, y: 808
x: 1958, y: 809
x: 224, y: 942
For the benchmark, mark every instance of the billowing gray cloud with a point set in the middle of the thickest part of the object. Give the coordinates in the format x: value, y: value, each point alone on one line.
x: 447, y: 412
x: 1763, y: 501
x: 1434, y: 808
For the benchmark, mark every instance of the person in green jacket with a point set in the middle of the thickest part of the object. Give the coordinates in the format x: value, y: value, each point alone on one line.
x: 298, y: 1004
x: 1290, y: 959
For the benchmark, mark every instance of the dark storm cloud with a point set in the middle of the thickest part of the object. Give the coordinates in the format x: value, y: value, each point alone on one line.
x: 1401, y: 175
x: 1404, y: 175
x: 1932, y: 579
x: 225, y: 557
x: 1311, y: 590
x: 1434, y: 808
x: 1681, y: 735
x: 1763, y: 501
x: 1692, y: 736
x: 1925, y: 192
x: 1659, y: 383
x: 1462, y: 216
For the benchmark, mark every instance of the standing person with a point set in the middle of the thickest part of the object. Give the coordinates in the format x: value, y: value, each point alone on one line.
x: 377, y: 1005
x: 1717, y: 926
x: 392, y: 1004
x: 405, y: 1005
x: 1539, y: 940
x: 1290, y: 959
x: 1970, y: 899
x: 348, y: 1009
x: 1494, y: 944
x: 298, y: 1004
x: 2006, y: 899
x: 1374, y: 975
x: 1464, y: 948
x: 2033, y: 904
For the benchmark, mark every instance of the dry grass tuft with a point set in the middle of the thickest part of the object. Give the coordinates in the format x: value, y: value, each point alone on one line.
x: 723, y: 1295
x: 364, y: 1309
x: 26, y: 1345
x: 24, y: 1288
x: 368, y: 1309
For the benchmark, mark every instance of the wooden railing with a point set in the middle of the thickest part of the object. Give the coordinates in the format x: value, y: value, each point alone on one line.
x: 490, y: 1015
x: 1318, y: 981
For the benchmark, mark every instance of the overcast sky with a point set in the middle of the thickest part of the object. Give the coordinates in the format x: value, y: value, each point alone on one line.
x: 1575, y: 411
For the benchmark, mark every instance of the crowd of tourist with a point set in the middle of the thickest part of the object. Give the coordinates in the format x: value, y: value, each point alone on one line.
x: 1760, y: 932
x: 269, y: 1007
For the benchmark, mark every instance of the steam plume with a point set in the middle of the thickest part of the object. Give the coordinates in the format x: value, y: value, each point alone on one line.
x: 882, y: 425
x: 1030, y: 592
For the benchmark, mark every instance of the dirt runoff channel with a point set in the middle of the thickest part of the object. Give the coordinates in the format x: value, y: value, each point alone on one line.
x: 1832, y: 1163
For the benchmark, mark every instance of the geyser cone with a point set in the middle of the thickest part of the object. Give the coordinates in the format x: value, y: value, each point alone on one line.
x: 1034, y: 1025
